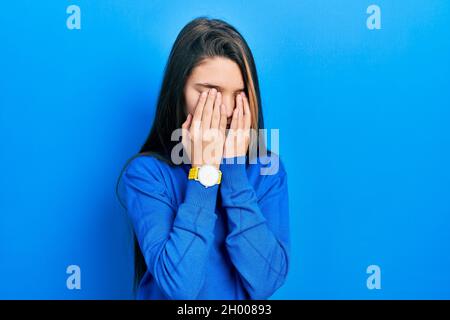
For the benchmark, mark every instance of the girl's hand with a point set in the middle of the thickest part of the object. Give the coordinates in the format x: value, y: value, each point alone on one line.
x: 238, y: 137
x: 204, y: 133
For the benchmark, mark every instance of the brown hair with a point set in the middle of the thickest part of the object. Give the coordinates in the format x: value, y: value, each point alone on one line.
x: 199, y: 39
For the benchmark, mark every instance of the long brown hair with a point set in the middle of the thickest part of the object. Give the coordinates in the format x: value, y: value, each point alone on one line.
x: 200, y: 39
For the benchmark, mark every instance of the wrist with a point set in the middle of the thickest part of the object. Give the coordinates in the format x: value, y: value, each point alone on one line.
x: 234, y: 160
x: 215, y: 165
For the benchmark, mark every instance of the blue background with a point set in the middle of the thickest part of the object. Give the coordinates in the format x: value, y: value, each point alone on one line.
x: 364, y: 132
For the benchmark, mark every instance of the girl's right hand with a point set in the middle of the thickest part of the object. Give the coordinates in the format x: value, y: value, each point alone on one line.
x: 203, y: 134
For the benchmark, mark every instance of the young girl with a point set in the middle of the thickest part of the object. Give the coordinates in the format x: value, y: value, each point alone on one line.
x: 213, y: 227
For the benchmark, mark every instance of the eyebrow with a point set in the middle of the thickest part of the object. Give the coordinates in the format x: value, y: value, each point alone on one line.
x: 219, y: 88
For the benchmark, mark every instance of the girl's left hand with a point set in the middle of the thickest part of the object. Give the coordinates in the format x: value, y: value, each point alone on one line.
x: 238, y: 137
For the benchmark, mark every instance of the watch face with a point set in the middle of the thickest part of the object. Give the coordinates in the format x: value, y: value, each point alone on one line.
x: 208, y: 175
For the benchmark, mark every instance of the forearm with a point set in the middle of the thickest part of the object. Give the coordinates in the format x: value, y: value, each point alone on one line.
x: 179, y: 261
x: 260, y: 257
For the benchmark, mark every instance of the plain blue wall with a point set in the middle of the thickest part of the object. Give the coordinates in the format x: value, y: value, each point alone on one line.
x: 364, y: 132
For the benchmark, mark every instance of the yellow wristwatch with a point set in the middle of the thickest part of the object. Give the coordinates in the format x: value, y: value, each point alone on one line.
x: 207, y: 175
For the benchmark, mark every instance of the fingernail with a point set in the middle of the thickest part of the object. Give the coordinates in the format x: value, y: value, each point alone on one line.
x: 213, y: 90
x: 204, y: 93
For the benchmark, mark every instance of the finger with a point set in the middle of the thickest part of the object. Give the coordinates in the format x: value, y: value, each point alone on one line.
x: 247, y: 113
x: 223, y: 119
x: 241, y: 118
x: 216, y: 112
x: 187, y: 123
x: 234, y: 120
x: 241, y: 114
x: 199, y: 110
x: 185, y: 139
x: 185, y: 128
x: 208, y: 109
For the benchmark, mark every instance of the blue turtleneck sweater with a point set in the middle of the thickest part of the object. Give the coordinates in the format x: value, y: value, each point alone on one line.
x: 229, y: 241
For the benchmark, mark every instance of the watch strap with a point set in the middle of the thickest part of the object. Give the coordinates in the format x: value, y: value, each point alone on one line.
x: 193, y: 174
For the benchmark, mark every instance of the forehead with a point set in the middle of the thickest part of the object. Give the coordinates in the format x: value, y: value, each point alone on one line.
x: 218, y: 71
